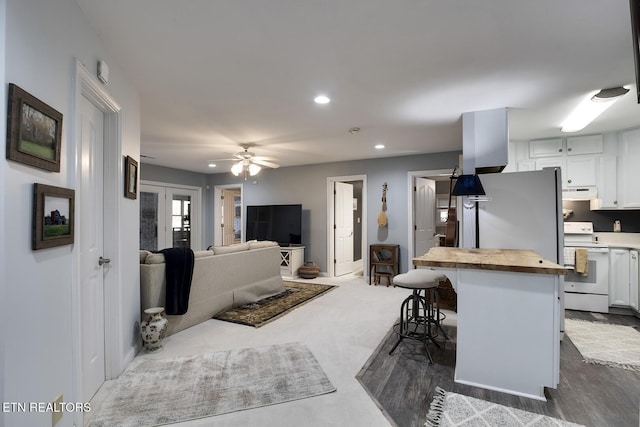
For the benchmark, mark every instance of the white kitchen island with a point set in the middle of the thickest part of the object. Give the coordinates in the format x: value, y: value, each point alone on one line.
x: 508, y: 336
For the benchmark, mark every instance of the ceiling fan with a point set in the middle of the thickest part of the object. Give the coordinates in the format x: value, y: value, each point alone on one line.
x: 250, y: 164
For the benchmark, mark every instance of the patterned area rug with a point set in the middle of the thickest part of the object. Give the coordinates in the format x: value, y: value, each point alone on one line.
x: 452, y: 409
x: 269, y: 309
x: 606, y: 344
x: 163, y: 391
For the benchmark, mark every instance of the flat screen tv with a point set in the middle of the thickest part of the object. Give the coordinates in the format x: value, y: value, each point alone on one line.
x: 278, y: 223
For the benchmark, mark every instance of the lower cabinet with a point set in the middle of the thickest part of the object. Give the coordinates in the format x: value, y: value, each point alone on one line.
x: 619, y: 285
x: 634, y: 285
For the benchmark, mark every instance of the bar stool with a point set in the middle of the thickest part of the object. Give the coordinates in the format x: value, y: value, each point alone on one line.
x: 420, y: 316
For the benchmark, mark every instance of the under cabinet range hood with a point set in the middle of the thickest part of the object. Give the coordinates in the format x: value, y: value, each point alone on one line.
x: 582, y: 193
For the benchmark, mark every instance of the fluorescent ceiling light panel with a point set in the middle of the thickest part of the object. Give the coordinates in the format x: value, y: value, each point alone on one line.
x: 590, y: 108
x: 379, y: 147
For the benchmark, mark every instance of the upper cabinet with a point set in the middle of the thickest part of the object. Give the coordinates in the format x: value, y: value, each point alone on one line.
x: 589, y: 144
x: 629, y: 155
x: 602, y: 166
x: 546, y: 147
x: 576, y: 157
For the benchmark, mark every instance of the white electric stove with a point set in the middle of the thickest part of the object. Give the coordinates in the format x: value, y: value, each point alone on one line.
x: 590, y: 291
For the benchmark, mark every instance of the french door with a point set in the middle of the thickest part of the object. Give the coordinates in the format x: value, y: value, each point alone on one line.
x: 169, y: 217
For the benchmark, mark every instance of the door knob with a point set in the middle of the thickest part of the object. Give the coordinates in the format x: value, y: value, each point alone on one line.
x: 103, y: 261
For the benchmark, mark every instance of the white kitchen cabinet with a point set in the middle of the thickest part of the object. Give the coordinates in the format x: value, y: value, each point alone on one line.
x: 546, y: 147
x: 634, y: 302
x: 629, y: 154
x: 607, y: 183
x: 619, y: 264
x: 580, y: 171
x: 588, y: 144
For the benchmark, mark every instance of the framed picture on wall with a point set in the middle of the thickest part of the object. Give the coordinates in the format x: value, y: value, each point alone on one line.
x: 130, y: 178
x: 34, y: 131
x: 53, y: 216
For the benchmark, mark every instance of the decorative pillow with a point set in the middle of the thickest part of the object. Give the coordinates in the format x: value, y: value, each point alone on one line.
x: 143, y: 255
x: 238, y: 247
x: 154, y: 259
x: 254, y: 244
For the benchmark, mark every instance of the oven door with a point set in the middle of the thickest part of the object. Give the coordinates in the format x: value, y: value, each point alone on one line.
x: 597, y: 279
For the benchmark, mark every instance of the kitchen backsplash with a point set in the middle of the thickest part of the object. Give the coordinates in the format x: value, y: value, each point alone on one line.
x: 603, y: 220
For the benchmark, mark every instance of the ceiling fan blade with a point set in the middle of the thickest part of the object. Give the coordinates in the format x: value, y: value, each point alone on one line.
x: 265, y: 163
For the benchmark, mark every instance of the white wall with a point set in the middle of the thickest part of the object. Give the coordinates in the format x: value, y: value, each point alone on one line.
x: 43, y: 40
x: 308, y: 185
x: 3, y: 278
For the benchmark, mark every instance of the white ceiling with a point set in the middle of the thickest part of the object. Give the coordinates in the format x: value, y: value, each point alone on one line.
x: 213, y: 74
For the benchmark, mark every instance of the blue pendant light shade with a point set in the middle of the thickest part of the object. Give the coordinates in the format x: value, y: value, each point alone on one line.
x: 468, y: 185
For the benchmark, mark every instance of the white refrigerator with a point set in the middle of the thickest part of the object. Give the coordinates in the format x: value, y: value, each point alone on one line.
x: 524, y: 211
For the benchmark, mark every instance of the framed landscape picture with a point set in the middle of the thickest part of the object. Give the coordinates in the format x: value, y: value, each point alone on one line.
x: 53, y: 216
x: 130, y: 178
x: 34, y: 131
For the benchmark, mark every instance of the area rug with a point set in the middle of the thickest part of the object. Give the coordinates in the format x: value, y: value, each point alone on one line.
x: 155, y: 392
x: 452, y: 409
x: 606, y: 344
x: 269, y: 309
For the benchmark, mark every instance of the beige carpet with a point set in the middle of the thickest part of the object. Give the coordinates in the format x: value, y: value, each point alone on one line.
x: 605, y: 344
x: 162, y: 391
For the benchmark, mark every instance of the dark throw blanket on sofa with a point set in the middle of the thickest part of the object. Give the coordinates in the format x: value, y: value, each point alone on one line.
x: 178, y: 271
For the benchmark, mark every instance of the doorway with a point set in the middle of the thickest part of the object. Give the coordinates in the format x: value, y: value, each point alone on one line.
x: 428, y: 196
x: 346, y: 232
x: 98, y: 156
x: 228, y: 215
x: 169, y: 216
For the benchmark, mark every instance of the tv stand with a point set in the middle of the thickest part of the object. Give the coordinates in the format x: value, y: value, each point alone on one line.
x: 291, y: 259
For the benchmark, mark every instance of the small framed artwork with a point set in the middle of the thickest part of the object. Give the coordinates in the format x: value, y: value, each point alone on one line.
x: 53, y: 216
x: 130, y: 178
x: 34, y: 131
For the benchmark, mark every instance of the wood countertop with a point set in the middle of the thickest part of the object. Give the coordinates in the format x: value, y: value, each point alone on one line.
x: 515, y: 260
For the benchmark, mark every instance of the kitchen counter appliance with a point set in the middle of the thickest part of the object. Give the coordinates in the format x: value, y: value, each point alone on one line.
x: 588, y: 292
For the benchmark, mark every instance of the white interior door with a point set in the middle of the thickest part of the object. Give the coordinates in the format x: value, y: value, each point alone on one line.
x: 91, y: 249
x: 424, y: 215
x: 343, y: 228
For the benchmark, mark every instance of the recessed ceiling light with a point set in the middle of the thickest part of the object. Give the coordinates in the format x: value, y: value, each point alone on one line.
x: 379, y: 146
x: 322, y: 99
x: 212, y: 165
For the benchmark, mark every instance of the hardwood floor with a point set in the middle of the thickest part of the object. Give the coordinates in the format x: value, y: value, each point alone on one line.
x: 403, y: 384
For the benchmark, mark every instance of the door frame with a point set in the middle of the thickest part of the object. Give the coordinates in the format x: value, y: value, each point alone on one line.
x: 217, y: 205
x: 331, y: 219
x: 196, y: 238
x: 85, y: 85
x: 411, y: 179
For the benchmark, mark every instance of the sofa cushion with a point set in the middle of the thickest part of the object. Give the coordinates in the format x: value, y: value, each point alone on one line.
x: 143, y: 256
x: 238, y: 247
x: 255, y: 244
x: 202, y: 254
x: 154, y: 259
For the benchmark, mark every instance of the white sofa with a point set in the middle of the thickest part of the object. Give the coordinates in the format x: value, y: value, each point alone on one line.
x: 223, y: 277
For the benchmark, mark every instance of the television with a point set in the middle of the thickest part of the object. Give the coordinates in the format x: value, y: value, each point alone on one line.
x: 278, y: 223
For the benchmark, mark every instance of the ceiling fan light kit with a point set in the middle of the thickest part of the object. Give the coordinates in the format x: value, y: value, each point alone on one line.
x: 250, y: 164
